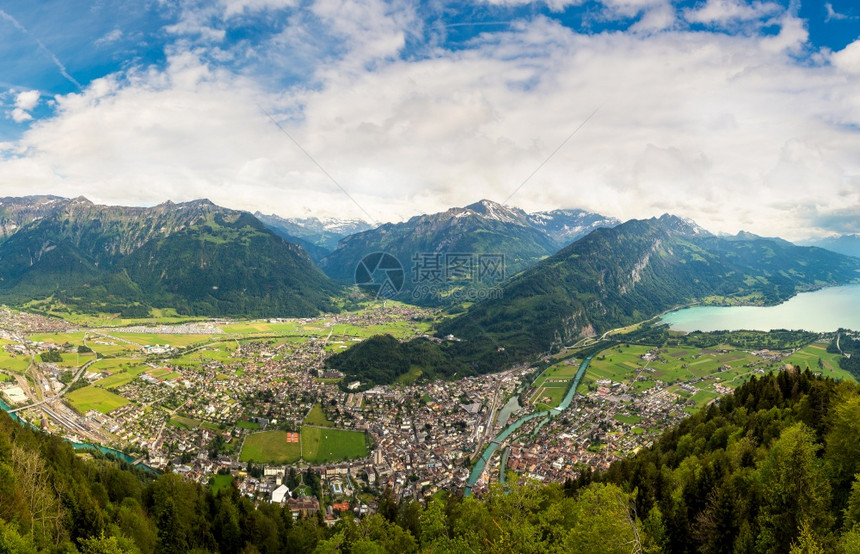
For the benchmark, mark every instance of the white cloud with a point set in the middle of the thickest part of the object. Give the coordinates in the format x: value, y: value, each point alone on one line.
x: 848, y: 59
x: 19, y: 116
x: 236, y: 7
x: 27, y: 100
x: 24, y: 103
x: 109, y: 38
x: 833, y: 15
x: 723, y: 12
x: 729, y: 130
x: 554, y: 5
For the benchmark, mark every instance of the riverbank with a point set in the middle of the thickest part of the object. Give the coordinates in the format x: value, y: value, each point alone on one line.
x: 480, y: 465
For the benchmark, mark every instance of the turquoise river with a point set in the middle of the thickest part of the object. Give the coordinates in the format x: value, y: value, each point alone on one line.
x: 82, y: 445
x: 510, y: 429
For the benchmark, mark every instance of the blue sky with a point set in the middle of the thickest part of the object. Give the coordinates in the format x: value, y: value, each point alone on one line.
x: 737, y: 114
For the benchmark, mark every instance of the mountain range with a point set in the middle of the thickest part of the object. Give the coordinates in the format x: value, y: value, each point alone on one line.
x: 319, y: 237
x: 610, y: 278
x: 195, y: 258
x: 843, y: 244
x: 484, y: 228
x: 632, y: 272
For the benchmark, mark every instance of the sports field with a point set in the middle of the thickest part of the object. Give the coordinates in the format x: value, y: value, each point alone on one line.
x: 269, y: 447
x: 94, y: 398
x: 321, y: 445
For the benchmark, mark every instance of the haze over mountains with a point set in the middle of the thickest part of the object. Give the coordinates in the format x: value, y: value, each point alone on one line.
x: 318, y: 237
x: 844, y: 244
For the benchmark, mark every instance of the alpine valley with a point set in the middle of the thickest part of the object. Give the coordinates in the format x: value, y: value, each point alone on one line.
x: 192, y: 378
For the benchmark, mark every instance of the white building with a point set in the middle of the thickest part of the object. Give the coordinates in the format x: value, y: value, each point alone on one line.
x: 279, y: 494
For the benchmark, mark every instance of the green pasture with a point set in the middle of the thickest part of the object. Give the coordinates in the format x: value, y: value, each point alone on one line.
x: 94, y: 398
x: 317, y: 417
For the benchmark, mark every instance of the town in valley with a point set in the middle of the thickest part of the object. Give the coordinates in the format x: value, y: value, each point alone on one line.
x: 252, y: 402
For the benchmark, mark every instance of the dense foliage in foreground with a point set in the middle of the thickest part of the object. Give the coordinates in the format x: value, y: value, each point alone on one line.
x: 773, y: 468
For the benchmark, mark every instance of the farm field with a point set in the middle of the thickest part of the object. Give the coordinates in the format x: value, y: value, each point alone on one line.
x: 121, y: 377
x: 107, y: 347
x: 175, y: 340
x: 674, y: 365
x: 58, y: 339
x: 17, y: 363
x: 114, y: 365
x: 94, y: 398
x: 809, y: 356
x: 699, y: 369
x: 75, y: 360
x: 551, y: 385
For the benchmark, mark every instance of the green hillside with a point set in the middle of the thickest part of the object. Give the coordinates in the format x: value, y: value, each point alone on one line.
x: 619, y: 276
x: 196, y: 258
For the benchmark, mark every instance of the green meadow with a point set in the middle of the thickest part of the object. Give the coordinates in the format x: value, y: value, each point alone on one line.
x: 94, y: 398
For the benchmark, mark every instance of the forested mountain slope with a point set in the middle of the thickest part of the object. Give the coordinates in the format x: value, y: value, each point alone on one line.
x: 632, y: 272
x: 195, y: 257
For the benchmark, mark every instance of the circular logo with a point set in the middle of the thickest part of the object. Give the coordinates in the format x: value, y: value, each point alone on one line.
x: 380, y: 275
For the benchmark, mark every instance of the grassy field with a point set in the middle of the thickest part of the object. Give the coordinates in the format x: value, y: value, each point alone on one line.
x: 675, y: 365
x: 114, y: 365
x: 317, y: 417
x: 121, y: 377
x: 270, y: 447
x: 628, y: 419
x: 16, y: 363
x: 107, y: 347
x: 548, y: 396
x: 75, y: 360
x: 699, y: 368
x: 184, y: 422
x: 221, y: 482
x: 811, y: 354
x: 58, y: 339
x: 550, y: 386
x: 94, y: 398
x: 177, y: 341
x: 321, y: 445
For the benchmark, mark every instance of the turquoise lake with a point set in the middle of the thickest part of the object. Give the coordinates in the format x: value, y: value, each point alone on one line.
x: 823, y: 310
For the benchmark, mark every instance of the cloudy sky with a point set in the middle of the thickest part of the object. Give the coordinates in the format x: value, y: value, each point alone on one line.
x: 740, y: 115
